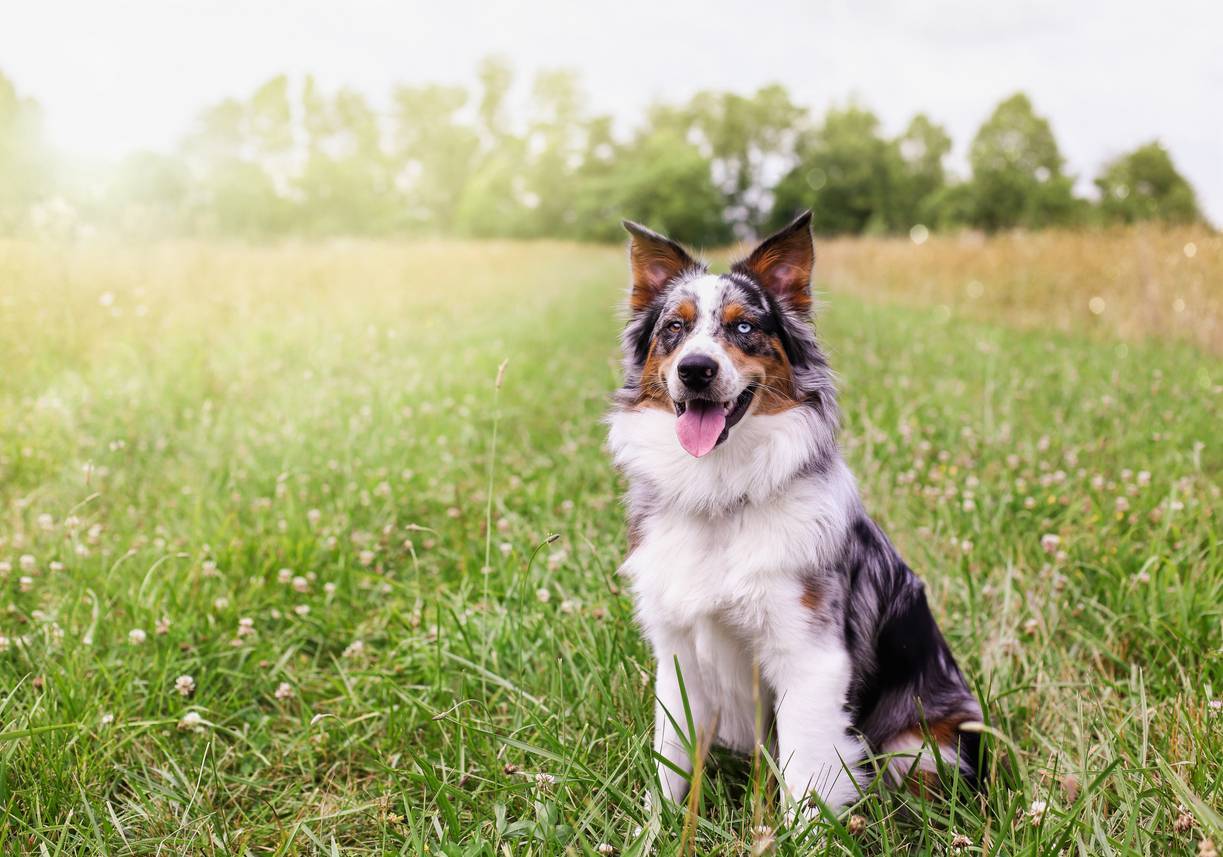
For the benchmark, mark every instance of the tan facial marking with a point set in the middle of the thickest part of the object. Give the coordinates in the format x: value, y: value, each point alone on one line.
x: 654, y: 379
x: 772, y: 375
x: 732, y: 312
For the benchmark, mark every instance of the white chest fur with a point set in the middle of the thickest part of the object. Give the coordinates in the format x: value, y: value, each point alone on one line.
x: 729, y: 538
x: 737, y: 567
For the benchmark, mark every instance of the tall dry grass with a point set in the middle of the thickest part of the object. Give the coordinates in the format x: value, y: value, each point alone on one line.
x: 1134, y: 283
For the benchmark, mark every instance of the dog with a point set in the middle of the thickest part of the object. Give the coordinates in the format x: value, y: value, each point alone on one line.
x: 779, y: 614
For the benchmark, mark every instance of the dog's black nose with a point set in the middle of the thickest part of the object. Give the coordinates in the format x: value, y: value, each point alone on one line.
x: 698, y: 371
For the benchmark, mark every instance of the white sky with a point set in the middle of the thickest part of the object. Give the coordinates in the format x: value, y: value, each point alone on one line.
x: 124, y: 74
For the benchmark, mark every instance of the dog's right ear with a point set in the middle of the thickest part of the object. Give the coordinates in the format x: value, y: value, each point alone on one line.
x: 655, y: 260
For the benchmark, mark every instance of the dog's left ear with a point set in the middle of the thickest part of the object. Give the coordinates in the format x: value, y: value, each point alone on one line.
x: 783, y: 263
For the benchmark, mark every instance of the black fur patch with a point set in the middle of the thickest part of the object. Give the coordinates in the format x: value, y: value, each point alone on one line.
x: 905, y: 676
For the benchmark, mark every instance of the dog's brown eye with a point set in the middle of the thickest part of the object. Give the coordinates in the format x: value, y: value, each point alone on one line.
x: 675, y: 325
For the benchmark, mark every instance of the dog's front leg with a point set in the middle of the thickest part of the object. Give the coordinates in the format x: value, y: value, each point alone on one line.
x: 675, y: 745
x: 815, y: 743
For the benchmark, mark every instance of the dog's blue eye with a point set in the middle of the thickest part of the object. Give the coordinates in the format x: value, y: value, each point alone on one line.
x: 744, y: 327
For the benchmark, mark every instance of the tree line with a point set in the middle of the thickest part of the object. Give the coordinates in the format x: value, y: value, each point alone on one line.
x: 293, y: 159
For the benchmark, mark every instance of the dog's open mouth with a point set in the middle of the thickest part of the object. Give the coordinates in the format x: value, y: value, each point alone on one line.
x: 702, y: 424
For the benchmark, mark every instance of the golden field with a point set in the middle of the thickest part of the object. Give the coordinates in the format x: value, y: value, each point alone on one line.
x: 1146, y: 282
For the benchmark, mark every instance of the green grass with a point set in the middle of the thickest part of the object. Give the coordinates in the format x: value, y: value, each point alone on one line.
x: 172, y: 416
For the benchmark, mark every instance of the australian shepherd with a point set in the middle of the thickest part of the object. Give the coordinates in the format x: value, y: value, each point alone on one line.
x: 779, y: 614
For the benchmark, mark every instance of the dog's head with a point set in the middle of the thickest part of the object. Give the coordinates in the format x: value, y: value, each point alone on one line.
x: 719, y: 348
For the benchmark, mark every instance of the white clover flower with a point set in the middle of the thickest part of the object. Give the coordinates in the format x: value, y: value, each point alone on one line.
x: 246, y: 626
x: 28, y: 563
x: 284, y: 690
x: 543, y: 595
x: 285, y: 575
x: 300, y: 584
x: 191, y: 722
x: 1049, y: 542
x: 1036, y: 811
x: 302, y: 609
x: 137, y: 636
x: 763, y: 837
x: 185, y: 685
x: 106, y: 719
x: 163, y: 626
x: 354, y: 649
x: 313, y: 517
x: 366, y: 558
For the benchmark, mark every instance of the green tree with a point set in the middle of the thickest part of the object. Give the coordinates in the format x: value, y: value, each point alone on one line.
x: 554, y: 151
x: 149, y: 194
x: 240, y: 156
x: 1017, y: 177
x: 921, y: 177
x: 496, y: 77
x: 25, y: 166
x: 744, y: 138
x: 953, y: 206
x: 1145, y: 185
x: 435, y: 153
x: 348, y: 183
x: 658, y: 179
x: 495, y: 200
x: 846, y: 175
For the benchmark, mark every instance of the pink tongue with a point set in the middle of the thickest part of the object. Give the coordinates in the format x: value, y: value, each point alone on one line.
x: 700, y: 426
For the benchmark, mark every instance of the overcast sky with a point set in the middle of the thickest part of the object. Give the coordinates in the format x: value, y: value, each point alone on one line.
x: 124, y: 74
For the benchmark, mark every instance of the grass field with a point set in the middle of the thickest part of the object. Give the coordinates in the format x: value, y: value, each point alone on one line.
x: 273, y: 470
